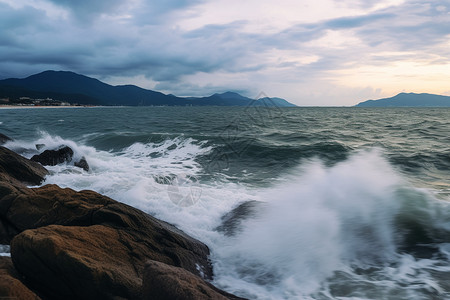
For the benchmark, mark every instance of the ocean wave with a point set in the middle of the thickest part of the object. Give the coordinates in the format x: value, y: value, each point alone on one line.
x: 336, y: 223
x: 356, y: 229
x: 256, y: 162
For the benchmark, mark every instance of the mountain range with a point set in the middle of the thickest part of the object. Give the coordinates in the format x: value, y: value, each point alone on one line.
x: 409, y: 100
x: 75, y: 88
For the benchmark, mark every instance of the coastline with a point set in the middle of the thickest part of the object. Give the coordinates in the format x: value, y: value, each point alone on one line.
x: 53, y: 106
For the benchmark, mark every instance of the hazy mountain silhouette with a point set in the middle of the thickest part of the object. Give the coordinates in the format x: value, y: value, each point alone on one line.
x: 76, y: 88
x: 409, y: 100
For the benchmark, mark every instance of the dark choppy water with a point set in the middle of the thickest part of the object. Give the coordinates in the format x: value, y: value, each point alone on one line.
x: 351, y: 203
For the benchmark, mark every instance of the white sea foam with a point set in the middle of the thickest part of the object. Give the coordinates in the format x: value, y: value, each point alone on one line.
x: 49, y: 142
x: 4, y: 250
x: 322, y: 221
x: 140, y: 175
x: 318, y: 227
x: 310, y: 225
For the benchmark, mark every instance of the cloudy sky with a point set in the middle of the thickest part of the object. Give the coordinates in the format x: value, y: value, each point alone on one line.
x: 310, y: 52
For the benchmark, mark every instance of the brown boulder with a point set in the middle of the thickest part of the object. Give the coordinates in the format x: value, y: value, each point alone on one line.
x: 8, y: 193
x: 68, y: 262
x: 10, y: 285
x: 164, y: 282
x: 15, y: 168
x: 158, y: 240
x: 101, y: 238
x: 95, y: 262
x: 23, y: 208
x: 15, y: 172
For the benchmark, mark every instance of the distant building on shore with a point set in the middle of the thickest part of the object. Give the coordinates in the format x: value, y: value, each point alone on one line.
x: 27, y: 101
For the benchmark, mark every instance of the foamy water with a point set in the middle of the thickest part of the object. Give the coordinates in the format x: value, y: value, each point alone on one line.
x: 347, y: 203
x: 4, y: 250
x: 324, y: 232
x: 322, y: 227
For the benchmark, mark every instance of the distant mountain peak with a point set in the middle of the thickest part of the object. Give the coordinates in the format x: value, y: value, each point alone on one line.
x: 67, y: 86
x: 229, y: 95
x: 409, y: 100
x: 57, y: 73
x: 52, y: 74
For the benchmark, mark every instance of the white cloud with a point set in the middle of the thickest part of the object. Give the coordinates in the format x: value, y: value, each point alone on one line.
x: 319, y: 52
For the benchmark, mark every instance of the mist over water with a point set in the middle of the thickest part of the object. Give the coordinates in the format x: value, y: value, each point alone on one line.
x: 345, y: 203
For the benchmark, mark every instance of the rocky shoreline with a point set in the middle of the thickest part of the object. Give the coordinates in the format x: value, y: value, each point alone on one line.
x: 82, y: 245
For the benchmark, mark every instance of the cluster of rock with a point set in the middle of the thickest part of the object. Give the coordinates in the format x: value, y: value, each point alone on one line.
x: 83, y: 245
x: 59, y: 156
x: 53, y: 157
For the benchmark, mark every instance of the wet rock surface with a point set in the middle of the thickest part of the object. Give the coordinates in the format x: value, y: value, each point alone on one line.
x: 166, y: 282
x: 15, y: 169
x: 54, y: 157
x: 82, y: 163
x: 11, y: 286
x: 83, y: 245
x: 4, y: 139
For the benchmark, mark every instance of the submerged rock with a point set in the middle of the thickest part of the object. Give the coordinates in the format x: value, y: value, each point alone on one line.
x: 54, y: 157
x: 39, y: 146
x: 11, y: 286
x: 231, y: 222
x: 82, y: 163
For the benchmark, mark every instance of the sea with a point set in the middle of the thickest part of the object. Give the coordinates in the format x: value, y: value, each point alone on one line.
x: 294, y: 203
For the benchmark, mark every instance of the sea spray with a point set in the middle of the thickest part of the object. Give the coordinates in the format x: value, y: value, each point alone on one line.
x: 323, y: 224
x: 45, y: 141
x: 322, y: 231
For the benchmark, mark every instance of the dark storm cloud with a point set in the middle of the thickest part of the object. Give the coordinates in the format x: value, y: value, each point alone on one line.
x: 414, y: 26
x: 119, y: 39
x: 159, y: 52
x: 20, y: 18
x: 143, y: 12
x: 15, y: 24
